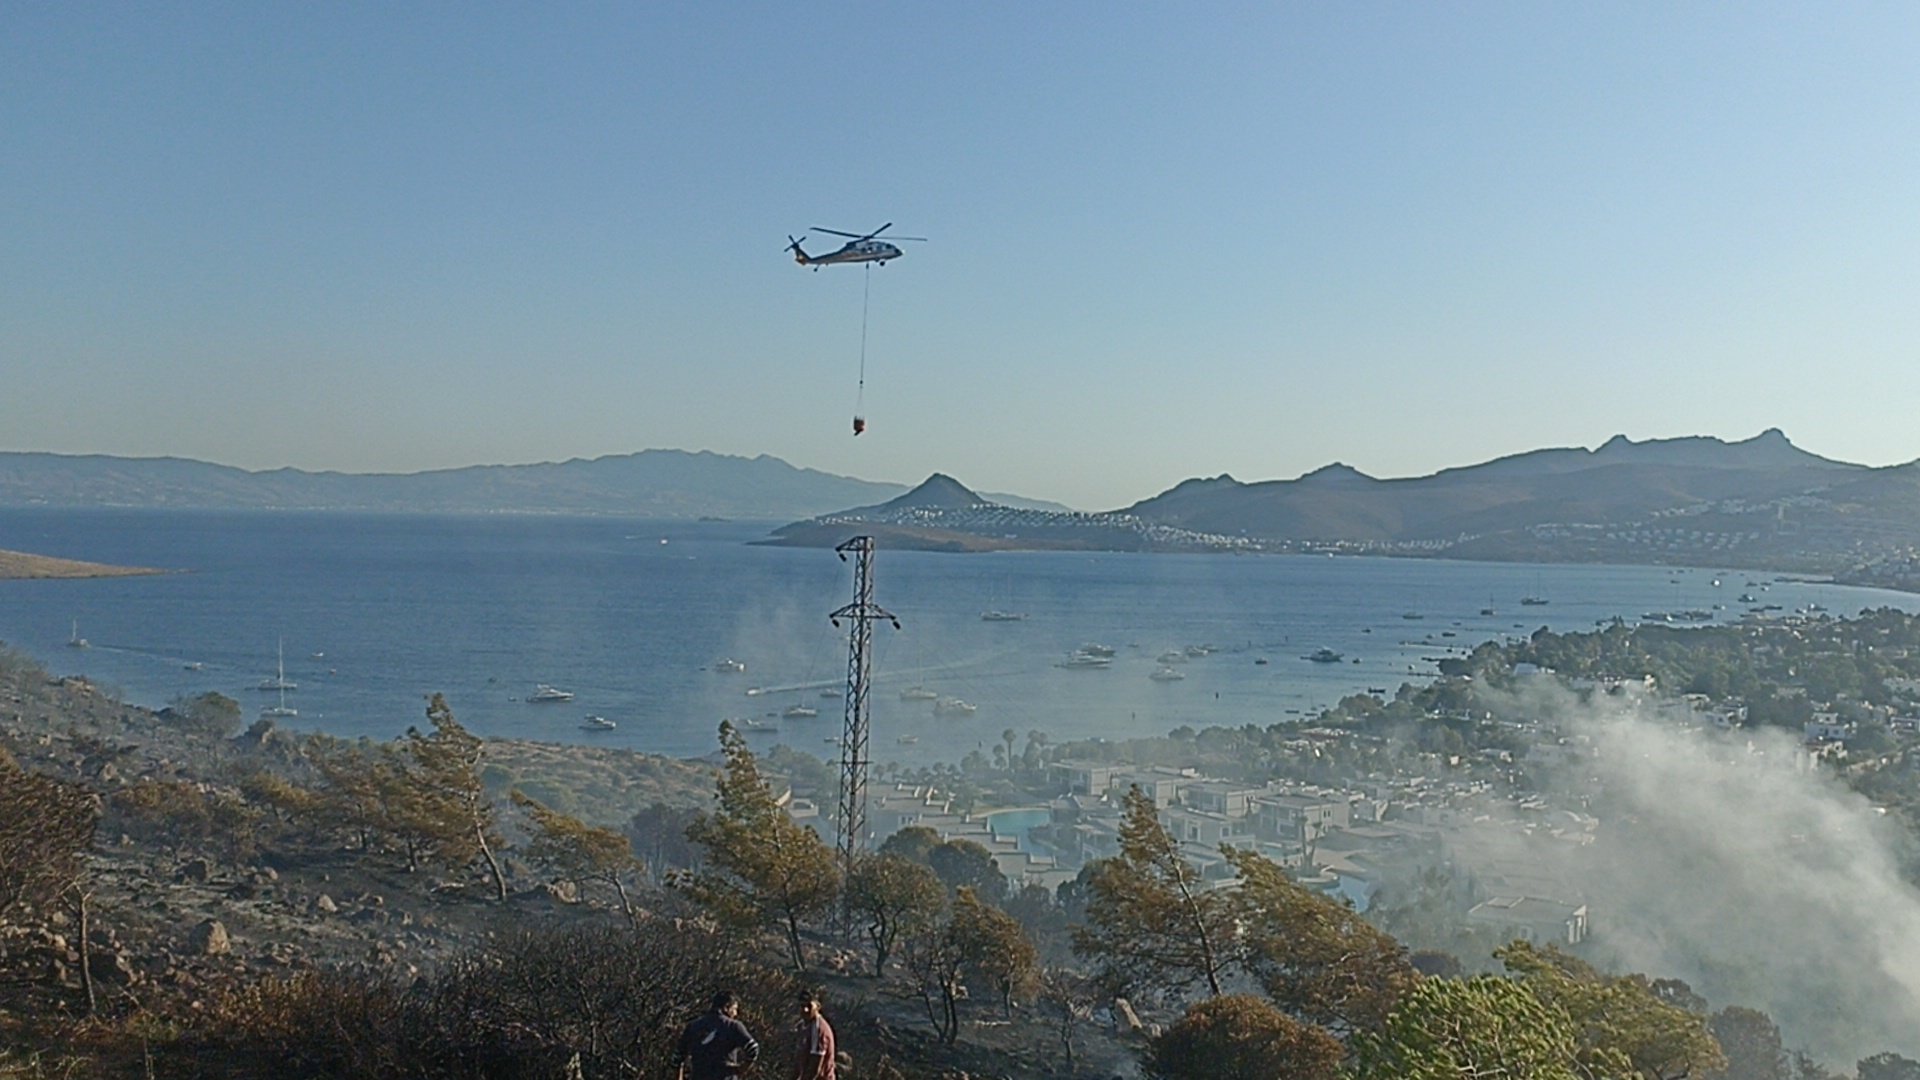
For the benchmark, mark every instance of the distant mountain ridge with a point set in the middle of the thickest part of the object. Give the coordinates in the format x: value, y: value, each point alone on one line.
x: 650, y: 483
x: 1620, y: 481
x: 1759, y: 502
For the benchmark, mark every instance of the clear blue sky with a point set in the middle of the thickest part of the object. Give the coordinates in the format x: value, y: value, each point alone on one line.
x: 1167, y: 241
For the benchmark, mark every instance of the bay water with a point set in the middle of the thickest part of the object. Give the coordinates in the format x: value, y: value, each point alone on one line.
x: 378, y: 611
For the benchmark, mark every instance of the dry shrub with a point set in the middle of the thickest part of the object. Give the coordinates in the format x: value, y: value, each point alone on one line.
x: 615, y: 997
x: 316, y: 1023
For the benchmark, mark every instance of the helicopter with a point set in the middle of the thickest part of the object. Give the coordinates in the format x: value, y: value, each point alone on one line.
x: 857, y: 249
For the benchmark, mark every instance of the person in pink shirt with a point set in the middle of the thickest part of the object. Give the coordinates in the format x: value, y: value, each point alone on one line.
x: 816, y: 1056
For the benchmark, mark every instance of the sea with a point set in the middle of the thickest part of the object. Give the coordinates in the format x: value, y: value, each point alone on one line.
x: 375, y: 612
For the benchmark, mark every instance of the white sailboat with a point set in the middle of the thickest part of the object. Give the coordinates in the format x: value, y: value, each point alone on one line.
x: 279, y: 680
x: 76, y: 641
x: 281, y: 710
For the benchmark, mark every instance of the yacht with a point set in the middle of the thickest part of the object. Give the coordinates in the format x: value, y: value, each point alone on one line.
x: 279, y: 681
x: 1084, y: 659
x: 1323, y: 656
x: 800, y: 712
x: 597, y: 723
x: 727, y: 665
x: 280, y: 711
x: 544, y: 694
x: 1167, y: 674
x: 953, y: 706
x: 918, y: 693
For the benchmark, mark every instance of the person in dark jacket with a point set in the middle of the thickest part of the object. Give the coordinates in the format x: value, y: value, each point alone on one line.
x: 717, y: 1046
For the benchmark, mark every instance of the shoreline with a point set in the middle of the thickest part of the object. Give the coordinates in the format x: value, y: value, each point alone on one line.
x: 22, y: 566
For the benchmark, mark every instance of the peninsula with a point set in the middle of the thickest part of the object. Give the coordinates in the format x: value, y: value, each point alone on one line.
x: 15, y: 565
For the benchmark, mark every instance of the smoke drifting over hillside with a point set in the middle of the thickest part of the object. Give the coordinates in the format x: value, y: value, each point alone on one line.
x: 1728, y: 860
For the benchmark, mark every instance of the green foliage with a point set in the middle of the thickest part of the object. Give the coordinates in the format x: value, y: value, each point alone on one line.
x: 1447, y: 1029
x: 1315, y: 957
x: 451, y: 797
x: 1617, y: 1015
x: 966, y: 864
x: 659, y: 835
x: 763, y: 869
x: 180, y: 812
x: 889, y: 895
x: 1151, y: 923
x: 994, y: 946
x: 577, y: 851
x: 975, y: 939
x: 1239, y: 1037
x: 914, y: 842
x: 1751, y: 1041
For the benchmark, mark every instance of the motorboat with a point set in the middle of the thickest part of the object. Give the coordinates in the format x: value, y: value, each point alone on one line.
x: 1094, y: 648
x: 800, y: 712
x: 754, y: 723
x: 1172, y: 656
x: 1533, y: 601
x: 544, y: 694
x: 1085, y: 660
x: 953, y: 706
x: 597, y: 723
x: 907, y: 740
x: 918, y: 693
x: 832, y: 692
x: 279, y: 681
x: 1199, y: 650
x: 1001, y: 616
x: 727, y: 665
x: 1323, y: 656
x: 1167, y: 674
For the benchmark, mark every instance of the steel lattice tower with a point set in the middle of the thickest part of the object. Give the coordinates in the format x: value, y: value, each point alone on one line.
x: 853, y: 742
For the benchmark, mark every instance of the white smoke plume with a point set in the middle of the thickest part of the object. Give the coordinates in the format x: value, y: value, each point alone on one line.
x: 1729, y: 860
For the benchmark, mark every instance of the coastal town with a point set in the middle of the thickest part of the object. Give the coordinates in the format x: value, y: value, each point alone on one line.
x: 1472, y: 810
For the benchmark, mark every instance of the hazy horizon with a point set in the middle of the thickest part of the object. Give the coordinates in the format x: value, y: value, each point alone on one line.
x: 904, y: 482
x: 1162, y: 245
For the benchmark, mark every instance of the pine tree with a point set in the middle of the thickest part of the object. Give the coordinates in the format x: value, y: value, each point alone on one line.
x: 454, y: 804
x: 1150, y: 920
x: 763, y: 869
